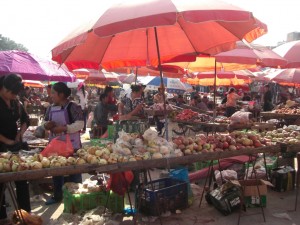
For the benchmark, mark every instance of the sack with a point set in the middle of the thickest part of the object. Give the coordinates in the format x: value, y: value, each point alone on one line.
x: 57, y: 146
x: 225, y: 198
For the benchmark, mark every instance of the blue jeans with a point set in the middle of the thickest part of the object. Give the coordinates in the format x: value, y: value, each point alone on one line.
x: 59, y: 181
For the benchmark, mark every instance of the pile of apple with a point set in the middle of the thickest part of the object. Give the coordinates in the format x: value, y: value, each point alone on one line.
x: 186, y: 114
x: 217, y: 143
x: 283, y: 135
x: 288, y: 111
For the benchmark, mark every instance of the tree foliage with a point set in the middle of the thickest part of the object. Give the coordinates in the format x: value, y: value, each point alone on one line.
x: 8, y: 44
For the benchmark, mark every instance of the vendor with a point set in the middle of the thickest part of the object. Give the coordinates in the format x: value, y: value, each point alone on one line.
x: 232, y: 98
x: 63, y: 117
x: 101, y: 113
x: 11, y: 112
x: 109, y: 91
x: 160, y: 97
x: 131, y: 104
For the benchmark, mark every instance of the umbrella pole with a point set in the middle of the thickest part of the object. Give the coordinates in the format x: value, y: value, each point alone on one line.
x: 162, y: 84
x: 215, y: 90
x: 136, y: 74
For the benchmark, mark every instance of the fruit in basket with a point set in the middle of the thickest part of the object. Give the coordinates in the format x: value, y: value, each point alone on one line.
x: 71, y: 160
x: 36, y: 165
x: 232, y: 148
x: 14, y: 166
x: 80, y: 161
x: 45, y: 162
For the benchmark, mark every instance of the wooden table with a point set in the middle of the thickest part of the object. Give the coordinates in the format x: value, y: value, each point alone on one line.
x: 137, y: 165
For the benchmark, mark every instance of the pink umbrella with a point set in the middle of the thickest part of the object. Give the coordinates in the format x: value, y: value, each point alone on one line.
x: 32, y: 67
x: 128, y: 34
x: 289, y: 77
x: 291, y: 52
x: 251, y: 54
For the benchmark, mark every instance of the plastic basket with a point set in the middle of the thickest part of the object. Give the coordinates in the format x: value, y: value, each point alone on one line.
x: 159, y: 196
x: 74, y: 203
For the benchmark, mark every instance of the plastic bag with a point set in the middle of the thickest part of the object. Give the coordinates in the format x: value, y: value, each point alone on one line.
x: 120, y: 182
x: 90, y: 119
x: 57, y: 146
x: 227, y: 175
x: 240, y: 117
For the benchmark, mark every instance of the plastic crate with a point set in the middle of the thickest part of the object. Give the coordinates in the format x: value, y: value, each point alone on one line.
x: 159, y: 196
x: 74, y: 203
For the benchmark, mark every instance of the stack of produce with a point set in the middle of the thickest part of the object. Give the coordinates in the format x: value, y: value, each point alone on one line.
x: 289, y: 111
x: 217, y: 143
x: 288, y: 135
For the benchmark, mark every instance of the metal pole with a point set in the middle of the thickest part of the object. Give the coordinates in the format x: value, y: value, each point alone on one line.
x: 215, y: 90
x: 162, y: 84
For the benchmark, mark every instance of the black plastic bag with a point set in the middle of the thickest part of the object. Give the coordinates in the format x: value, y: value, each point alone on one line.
x: 225, y: 198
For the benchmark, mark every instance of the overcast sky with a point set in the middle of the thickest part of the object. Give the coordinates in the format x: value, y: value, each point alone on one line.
x: 41, y: 24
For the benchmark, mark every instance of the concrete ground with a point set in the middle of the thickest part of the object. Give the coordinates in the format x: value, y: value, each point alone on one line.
x: 279, y: 210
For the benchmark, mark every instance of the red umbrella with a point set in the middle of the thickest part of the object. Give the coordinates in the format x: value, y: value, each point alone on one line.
x: 291, y: 52
x: 169, y: 71
x: 128, y: 33
x: 96, y: 76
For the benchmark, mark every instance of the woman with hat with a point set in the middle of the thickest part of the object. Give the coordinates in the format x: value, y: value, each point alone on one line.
x: 12, y: 111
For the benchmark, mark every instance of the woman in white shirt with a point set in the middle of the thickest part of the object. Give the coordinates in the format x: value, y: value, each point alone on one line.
x: 83, y: 102
x: 232, y: 98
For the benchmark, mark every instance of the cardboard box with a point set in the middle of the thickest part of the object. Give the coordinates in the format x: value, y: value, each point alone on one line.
x: 251, y: 194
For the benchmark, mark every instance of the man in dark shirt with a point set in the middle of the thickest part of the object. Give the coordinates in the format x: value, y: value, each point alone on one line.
x: 267, y: 106
x: 101, y: 112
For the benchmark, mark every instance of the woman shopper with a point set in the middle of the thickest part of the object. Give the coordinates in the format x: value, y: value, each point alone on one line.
x: 63, y: 117
x: 232, y: 98
x: 11, y: 112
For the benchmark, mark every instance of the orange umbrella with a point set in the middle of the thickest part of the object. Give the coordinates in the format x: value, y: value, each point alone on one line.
x: 232, y: 78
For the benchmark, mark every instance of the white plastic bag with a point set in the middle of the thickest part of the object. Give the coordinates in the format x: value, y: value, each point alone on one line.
x: 240, y: 117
